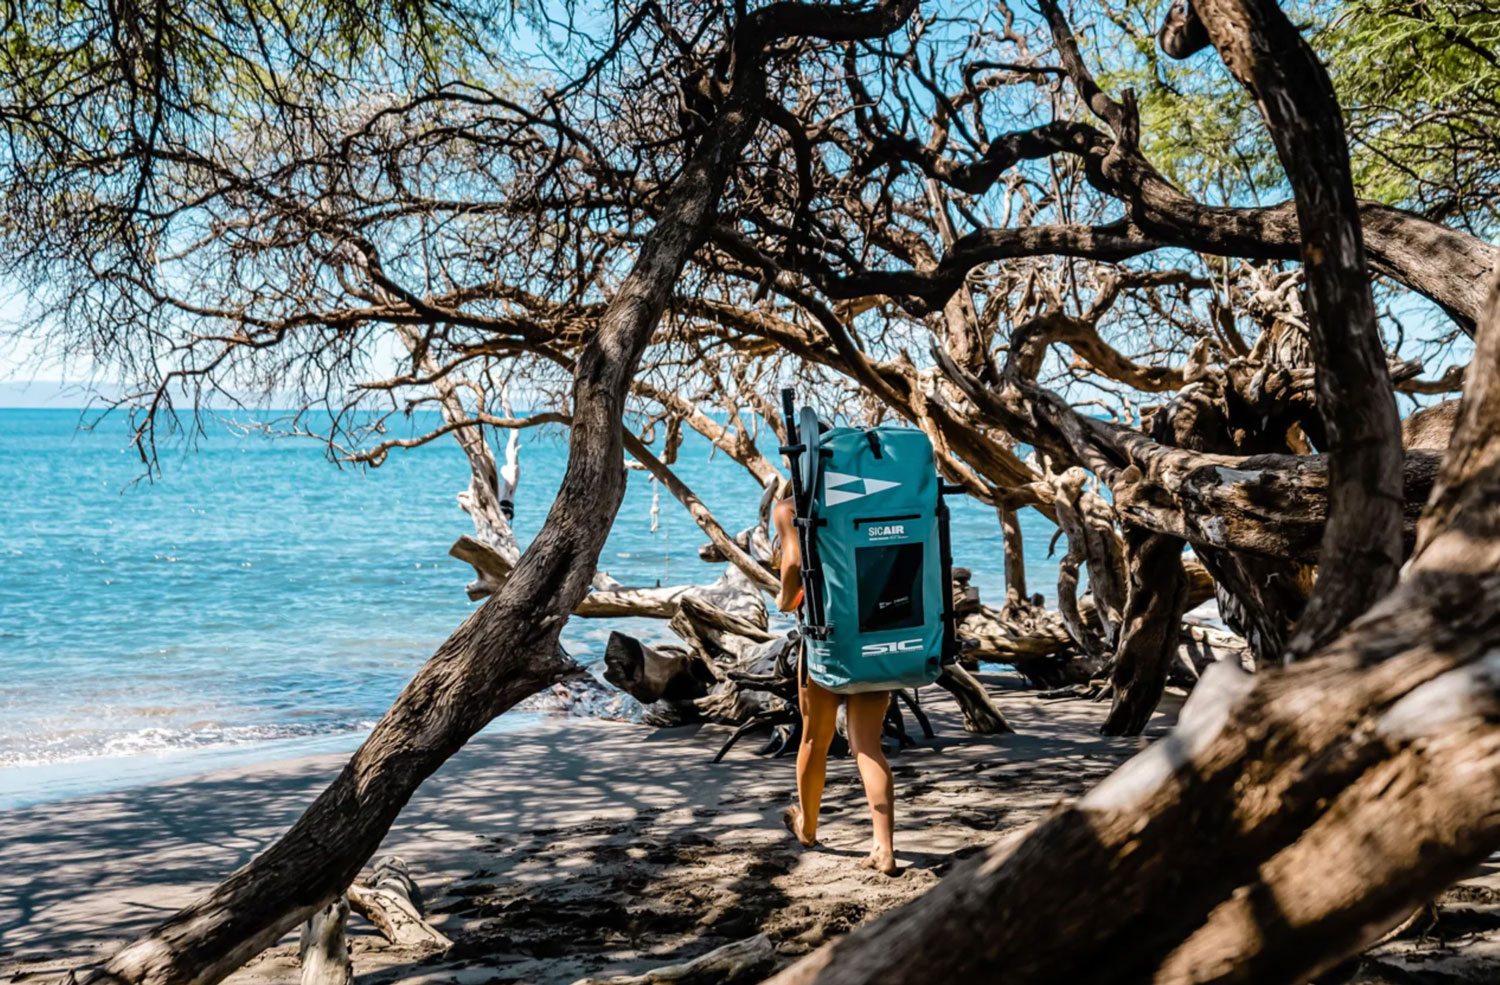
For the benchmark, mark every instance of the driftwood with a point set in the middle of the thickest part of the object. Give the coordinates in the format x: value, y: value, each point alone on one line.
x: 980, y: 713
x: 724, y: 621
x: 741, y: 961
x: 323, y: 949
x: 1039, y: 646
x: 1089, y: 523
x: 1023, y: 634
x: 733, y: 592
x: 392, y: 902
x: 697, y: 681
x: 609, y: 598
x: 783, y: 718
x: 655, y: 673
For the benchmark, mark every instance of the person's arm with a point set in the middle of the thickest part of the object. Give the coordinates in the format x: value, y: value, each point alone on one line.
x: 791, y: 555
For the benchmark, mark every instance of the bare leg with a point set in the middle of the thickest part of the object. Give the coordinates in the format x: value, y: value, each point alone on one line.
x: 866, y: 722
x: 820, y: 710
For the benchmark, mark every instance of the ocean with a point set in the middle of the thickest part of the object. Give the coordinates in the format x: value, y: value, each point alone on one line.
x: 255, y: 601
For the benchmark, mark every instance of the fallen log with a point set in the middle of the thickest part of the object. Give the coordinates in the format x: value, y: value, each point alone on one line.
x: 393, y: 904
x: 697, y: 681
x: 655, y: 673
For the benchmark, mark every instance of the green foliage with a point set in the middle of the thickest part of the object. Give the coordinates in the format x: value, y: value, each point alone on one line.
x: 1419, y: 83
x: 1197, y: 124
x: 117, y: 116
x: 1420, y: 86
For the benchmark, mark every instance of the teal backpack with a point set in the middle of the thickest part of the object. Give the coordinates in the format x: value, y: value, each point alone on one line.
x: 877, y: 608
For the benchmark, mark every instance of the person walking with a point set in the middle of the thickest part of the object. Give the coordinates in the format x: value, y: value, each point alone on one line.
x: 865, y: 722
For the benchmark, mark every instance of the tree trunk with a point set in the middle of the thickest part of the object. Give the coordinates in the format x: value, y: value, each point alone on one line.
x: 505, y: 651
x: 1015, y: 556
x: 1152, y: 626
x: 323, y: 949
x: 1260, y: 597
x: 1067, y: 599
x: 1361, y: 549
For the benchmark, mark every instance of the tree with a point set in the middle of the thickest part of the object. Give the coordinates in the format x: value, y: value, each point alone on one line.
x: 954, y: 217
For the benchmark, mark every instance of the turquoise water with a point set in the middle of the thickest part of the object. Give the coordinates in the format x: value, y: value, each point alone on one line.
x: 256, y: 599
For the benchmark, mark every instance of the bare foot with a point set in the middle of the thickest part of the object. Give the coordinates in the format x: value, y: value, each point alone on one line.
x: 792, y: 818
x: 881, y: 861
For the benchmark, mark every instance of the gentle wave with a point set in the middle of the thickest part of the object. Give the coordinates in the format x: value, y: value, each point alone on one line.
x: 82, y: 744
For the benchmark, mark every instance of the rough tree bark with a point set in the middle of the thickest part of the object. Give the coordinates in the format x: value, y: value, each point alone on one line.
x: 1361, y: 549
x: 1015, y: 556
x: 1149, y: 634
x: 323, y: 948
x: 508, y: 648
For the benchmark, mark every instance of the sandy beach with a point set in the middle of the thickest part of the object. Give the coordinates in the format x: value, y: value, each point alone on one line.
x: 581, y: 848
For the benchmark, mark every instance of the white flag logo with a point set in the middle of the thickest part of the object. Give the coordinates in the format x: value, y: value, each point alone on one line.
x: 840, y: 488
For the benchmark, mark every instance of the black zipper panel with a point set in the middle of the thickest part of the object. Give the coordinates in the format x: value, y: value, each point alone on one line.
x: 860, y: 522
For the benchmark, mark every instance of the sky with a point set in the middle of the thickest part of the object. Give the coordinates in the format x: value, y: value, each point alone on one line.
x: 33, y: 378
x: 27, y: 379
